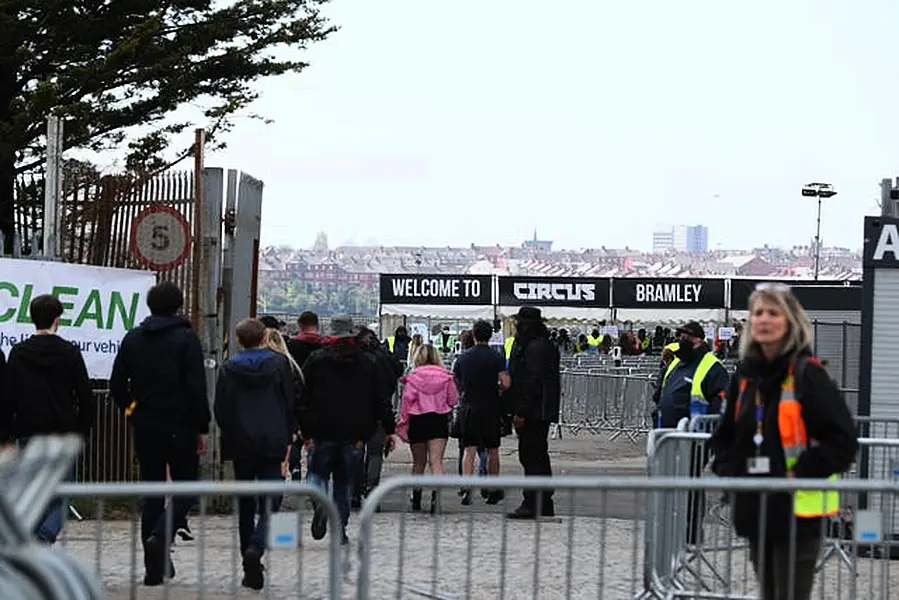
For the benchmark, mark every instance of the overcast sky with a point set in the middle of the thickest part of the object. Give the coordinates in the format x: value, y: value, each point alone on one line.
x: 427, y: 122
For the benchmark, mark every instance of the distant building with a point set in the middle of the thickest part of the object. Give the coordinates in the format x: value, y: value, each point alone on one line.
x: 662, y: 241
x: 537, y: 245
x: 683, y: 238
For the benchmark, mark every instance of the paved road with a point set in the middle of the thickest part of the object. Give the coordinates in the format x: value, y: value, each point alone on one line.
x: 581, y: 455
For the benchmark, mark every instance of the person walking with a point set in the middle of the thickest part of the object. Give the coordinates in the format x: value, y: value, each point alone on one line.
x: 308, y: 340
x: 342, y: 408
x: 275, y: 341
x: 535, y: 395
x: 255, y: 407
x: 466, y: 341
x: 159, y: 380
x: 368, y: 476
x: 46, y: 390
x: 784, y: 417
x: 429, y: 395
x: 480, y: 373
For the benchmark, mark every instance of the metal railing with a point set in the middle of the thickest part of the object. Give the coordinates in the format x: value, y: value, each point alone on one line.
x: 617, y: 405
x: 210, y: 565
x: 471, y: 555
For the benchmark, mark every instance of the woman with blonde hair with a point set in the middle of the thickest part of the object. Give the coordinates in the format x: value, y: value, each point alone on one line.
x: 784, y: 417
x: 275, y: 341
x: 429, y: 395
x: 414, y: 346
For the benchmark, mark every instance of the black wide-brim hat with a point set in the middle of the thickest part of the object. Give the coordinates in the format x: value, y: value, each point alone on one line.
x: 529, y: 314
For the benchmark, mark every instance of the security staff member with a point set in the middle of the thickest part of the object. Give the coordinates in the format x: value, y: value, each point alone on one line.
x: 694, y: 383
x: 594, y: 340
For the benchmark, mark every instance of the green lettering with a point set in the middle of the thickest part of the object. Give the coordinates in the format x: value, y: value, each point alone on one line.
x: 6, y: 286
x: 127, y: 314
x: 59, y: 291
x: 92, y: 310
x: 24, y: 314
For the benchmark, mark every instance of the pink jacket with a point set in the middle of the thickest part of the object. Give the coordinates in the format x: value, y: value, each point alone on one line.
x: 427, y: 389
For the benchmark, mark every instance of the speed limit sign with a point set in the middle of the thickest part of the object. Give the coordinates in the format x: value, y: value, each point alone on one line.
x: 160, y: 238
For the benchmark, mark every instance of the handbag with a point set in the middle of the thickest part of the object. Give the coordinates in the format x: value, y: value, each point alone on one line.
x: 457, y: 416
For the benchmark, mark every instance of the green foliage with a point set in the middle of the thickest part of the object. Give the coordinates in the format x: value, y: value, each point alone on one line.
x: 296, y: 296
x: 109, y: 67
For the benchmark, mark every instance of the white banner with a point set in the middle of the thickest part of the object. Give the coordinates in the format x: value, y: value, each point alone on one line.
x: 101, y: 305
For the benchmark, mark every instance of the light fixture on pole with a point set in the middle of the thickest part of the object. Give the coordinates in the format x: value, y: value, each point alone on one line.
x: 820, y: 191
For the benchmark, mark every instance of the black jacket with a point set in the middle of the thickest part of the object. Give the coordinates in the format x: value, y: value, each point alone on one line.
x: 303, y: 345
x: 673, y: 395
x: 534, y: 368
x: 388, y: 377
x: 255, y: 404
x: 344, y: 399
x: 160, y: 367
x: 46, y: 390
x: 827, y: 420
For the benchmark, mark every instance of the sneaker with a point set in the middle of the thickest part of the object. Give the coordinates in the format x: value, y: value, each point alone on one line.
x: 185, y: 534
x: 344, y: 539
x: 253, y: 577
x: 319, y: 523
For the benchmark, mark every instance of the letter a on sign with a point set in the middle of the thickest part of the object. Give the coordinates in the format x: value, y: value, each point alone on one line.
x: 888, y: 242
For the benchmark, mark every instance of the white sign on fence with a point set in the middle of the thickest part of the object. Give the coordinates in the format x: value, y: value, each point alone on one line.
x: 101, y: 305
x: 726, y: 333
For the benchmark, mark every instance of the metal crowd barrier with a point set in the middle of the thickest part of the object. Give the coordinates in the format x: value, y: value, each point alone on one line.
x: 692, y: 545
x: 28, y: 569
x: 600, y: 554
x: 613, y: 404
x: 109, y: 544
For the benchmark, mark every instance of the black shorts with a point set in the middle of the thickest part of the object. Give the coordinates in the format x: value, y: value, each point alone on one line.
x: 480, y: 426
x: 427, y: 427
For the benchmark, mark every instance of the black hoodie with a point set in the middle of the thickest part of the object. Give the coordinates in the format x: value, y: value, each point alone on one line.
x: 255, y: 405
x: 160, y: 368
x: 345, y: 395
x: 46, y: 390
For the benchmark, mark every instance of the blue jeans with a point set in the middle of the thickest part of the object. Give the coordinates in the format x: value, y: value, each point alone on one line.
x: 51, y: 525
x: 340, y: 460
x: 250, y: 531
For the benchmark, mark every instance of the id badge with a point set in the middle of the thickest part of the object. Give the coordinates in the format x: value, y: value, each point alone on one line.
x: 760, y: 465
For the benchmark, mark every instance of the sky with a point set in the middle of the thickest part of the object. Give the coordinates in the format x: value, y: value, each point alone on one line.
x: 431, y: 123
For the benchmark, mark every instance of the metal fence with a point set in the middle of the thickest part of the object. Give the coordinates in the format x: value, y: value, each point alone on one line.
x: 469, y: 555
x: 210, y: 566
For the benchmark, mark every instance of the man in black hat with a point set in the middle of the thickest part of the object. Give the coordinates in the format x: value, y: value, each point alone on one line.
x: 535, y: 397
x: 694, y: 383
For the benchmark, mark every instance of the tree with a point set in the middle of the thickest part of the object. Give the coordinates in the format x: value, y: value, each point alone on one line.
x: 108, y: 67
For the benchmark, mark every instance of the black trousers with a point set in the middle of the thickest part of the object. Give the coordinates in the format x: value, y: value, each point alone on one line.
x: 696, y: 501
x: 789, y: 568
x: 533, y: 454
x: 253, y: 532
x: 156, y: 449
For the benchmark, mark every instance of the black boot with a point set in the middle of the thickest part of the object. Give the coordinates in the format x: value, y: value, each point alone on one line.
x: 416, y: 500
x: 435, y: 502
x: 466, y: 497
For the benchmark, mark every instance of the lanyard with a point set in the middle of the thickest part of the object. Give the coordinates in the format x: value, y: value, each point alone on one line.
x: 759, y: 436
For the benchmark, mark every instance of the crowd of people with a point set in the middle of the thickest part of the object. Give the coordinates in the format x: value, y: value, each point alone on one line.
x: 331, y: 394
x: 328, y: 393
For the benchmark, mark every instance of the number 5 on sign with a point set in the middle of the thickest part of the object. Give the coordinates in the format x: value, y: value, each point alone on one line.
x: 160, y: 238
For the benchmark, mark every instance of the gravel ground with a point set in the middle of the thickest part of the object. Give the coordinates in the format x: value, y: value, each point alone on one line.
x: 484, y: 557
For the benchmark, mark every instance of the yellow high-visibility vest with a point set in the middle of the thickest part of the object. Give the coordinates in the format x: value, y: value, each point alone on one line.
x: 510, y: 341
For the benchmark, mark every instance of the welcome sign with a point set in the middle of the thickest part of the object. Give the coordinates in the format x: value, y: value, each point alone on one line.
x: 472, y: 290
x: 667, y: 293
x: 100, y: 305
